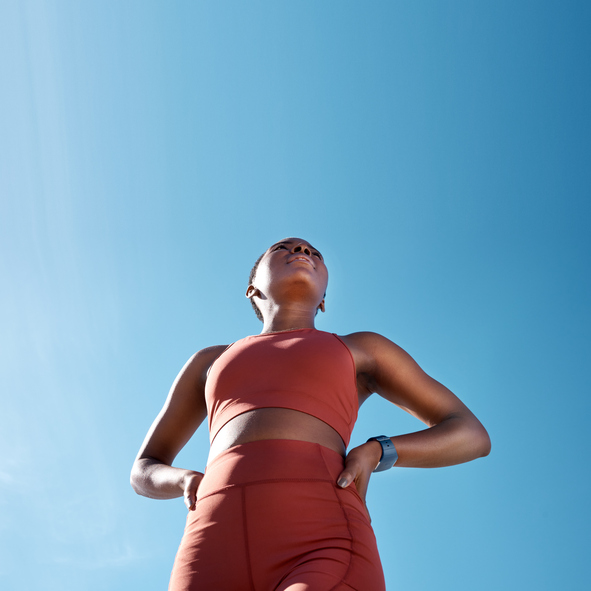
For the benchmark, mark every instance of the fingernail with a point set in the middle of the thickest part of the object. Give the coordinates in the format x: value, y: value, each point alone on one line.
x: 342, y: 482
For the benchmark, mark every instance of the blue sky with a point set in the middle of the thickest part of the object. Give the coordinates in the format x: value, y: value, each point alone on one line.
x: 436, y: 152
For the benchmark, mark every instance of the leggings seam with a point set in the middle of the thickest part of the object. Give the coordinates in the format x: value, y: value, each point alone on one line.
x: 246, y: 546
x: 343, y: 579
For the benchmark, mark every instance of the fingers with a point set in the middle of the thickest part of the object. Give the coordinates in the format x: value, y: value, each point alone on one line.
x: 354, y: 472
x: 190, y: 501
x: 359, y: 464
x: 362, y: 484
x: 190, y: 491
x: 354, y: 466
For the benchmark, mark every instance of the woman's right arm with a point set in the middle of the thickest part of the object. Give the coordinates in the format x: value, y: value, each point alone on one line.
x: 152, y: 474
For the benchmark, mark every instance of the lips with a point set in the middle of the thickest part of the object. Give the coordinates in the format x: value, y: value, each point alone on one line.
x: 301, y: 257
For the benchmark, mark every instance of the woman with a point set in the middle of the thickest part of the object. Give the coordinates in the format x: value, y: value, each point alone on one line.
x: 282, y: 504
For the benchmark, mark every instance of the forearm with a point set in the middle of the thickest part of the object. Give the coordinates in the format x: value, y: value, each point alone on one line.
x: 151, y: 478
x: 455, y: 440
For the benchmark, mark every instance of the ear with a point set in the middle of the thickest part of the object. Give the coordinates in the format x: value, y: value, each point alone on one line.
x: 322, y: 306
x: 251, y: 291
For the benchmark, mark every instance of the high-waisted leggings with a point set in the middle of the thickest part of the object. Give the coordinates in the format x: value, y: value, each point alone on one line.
x: 270, y: 517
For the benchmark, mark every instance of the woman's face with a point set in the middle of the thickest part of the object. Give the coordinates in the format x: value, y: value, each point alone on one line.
x: 294, y: 267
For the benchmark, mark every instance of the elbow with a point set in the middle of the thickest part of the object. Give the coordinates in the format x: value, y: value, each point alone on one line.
x: 482, y: 441
x: 135, y: 479
x: 487, y: 446
x: 133, y: 484
x: 475, y: 439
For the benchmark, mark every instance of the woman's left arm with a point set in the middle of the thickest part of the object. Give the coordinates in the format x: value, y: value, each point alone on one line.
x: 454, y: 434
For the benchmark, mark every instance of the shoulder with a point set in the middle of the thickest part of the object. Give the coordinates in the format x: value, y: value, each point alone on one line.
x: 198, y: 365
x: 378, y: 358
x: 369, y: 348
x: 213, y: 352
x: 365, y: 339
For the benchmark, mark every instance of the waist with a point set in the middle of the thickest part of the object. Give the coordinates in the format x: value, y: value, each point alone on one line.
x: 338, y: 410
x: 278, y: 424
x: 270, y: 460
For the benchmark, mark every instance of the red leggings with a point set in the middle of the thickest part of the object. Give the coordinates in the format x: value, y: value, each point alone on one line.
x: 270, y: 517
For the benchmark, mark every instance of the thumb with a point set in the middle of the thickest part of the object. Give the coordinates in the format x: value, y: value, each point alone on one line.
x: 346, y: 477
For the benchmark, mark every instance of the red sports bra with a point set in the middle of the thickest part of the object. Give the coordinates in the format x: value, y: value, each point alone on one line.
x: 308, y: 370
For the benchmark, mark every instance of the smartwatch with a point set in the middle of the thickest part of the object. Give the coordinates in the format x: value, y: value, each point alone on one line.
x: 389, y: 453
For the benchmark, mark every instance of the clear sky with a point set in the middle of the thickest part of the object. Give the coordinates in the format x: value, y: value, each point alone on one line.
x: 437, y: 153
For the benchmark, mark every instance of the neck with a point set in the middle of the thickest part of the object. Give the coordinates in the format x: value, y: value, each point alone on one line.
x: 287, y: 319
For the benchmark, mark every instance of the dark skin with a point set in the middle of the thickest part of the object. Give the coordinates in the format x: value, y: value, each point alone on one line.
x: 289, y: 289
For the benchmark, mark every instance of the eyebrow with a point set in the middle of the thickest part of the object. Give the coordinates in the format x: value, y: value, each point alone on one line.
x: 291, y: 242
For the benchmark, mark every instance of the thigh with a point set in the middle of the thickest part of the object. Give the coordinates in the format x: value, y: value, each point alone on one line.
x: 213, y: 554
x: 321, y: 540
x: 270, y: 516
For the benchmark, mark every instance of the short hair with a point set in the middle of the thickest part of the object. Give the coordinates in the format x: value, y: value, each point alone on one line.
x: 251, y: 277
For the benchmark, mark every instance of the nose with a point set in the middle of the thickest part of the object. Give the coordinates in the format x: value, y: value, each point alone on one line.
x: 302, y: 248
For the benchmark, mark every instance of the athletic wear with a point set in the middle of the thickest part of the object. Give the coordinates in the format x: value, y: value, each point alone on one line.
x: 269, y: 514
x: 270, y: 517
x: 306, y: 369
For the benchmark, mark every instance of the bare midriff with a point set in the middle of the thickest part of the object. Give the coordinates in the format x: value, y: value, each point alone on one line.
x: 275, y: 423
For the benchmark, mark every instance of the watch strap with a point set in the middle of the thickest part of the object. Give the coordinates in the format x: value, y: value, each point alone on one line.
x: 389, y: 453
